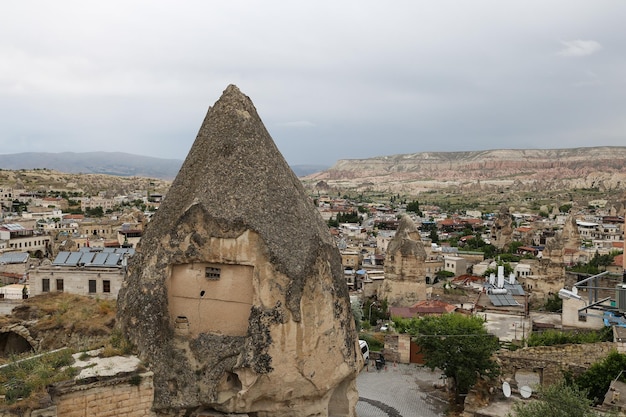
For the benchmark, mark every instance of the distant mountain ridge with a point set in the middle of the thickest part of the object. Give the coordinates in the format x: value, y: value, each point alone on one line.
x: 109, y: 163
x: 574, y: 167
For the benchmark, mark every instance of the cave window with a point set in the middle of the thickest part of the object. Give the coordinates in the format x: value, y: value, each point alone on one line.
x: 212, y: 273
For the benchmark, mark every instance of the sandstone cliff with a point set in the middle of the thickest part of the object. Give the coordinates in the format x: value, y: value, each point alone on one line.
x: 603, y: 167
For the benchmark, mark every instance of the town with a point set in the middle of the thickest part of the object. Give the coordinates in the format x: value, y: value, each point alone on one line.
x: 523, y: 272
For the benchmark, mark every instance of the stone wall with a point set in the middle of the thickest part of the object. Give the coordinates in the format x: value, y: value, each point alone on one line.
x: 549, y: 362
x: 129, y: 396
x: 397, y: 348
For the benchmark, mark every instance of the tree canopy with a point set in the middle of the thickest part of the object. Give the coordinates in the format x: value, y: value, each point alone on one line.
x: 457, y: 344
x: 597, y: 379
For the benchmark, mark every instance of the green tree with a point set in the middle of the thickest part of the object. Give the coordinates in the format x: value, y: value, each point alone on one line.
x: 557, y: 400
x: 554, y: 303
x: 597, y: 379
x: 94, y: 212
x: 457, y: 344
x: 414, y: 206
x: 434, y: 236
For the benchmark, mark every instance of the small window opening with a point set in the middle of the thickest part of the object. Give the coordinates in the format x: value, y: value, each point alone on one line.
x: 202, y: 293
x: 212, y: 273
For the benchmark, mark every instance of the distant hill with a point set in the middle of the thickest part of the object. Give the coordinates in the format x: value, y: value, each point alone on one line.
x: 592, y: 167
x: 110, y: 163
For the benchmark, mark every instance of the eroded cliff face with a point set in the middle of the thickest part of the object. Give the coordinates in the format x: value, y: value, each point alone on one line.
x: 236, y: 295
x: 527, y: 169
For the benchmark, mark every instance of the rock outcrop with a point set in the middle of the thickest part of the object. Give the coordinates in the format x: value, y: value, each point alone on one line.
x: 405, y: 267
x: 504, y: 169
x: 502, y: 229
x: 236, y: 296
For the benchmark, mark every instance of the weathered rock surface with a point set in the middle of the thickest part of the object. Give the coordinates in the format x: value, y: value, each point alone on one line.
x: 405, y: 267
x: 236, y: 295
x: 523, y: 169
x: 502, y: 229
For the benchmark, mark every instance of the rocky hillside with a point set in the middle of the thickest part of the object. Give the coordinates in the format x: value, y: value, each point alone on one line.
x: 109, y: 163
x: 83, y: 184
x: 594, y: 167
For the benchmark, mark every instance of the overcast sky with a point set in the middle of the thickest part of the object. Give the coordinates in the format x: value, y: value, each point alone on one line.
x: 330, y: 79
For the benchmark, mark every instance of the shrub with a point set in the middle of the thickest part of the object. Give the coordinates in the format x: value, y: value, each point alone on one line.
x: 27, y: 376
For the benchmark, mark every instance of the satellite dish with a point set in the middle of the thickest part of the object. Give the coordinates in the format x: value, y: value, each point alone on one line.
x: 526, y: 391
x: 506, y: 389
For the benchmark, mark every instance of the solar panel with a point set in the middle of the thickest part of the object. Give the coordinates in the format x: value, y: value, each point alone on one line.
x: 61, y: 258
x: 95, y: 258
x: 86, y: 258
x: 14, y: 227
x: 73, y: 258
x: 500, y: 300
x: 110, y: 250
x: 99, y: 259
x: 13, y: 258
x: 514, y: 289
x: 112, y: 259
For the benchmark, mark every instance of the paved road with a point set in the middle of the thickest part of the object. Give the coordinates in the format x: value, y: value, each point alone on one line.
x: 400, y: 391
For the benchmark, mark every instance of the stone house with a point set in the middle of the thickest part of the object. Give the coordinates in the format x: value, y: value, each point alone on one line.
x: 455, y: 264
x: 90, y: 272
x: 15, y: 237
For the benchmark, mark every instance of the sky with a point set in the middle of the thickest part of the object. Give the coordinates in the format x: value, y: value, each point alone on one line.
x: 340, y: 79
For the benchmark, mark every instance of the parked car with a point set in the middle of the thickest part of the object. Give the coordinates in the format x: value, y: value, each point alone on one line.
x: 365, y: 350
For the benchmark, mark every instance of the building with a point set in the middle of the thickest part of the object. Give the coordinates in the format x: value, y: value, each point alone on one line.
x: 89, y: 271
x: 15, y: 237
x: 455, y: 264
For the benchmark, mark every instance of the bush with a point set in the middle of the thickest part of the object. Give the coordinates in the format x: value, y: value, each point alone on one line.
x: 376, y: 342
x: 557, y: 337
x: 25, y: 377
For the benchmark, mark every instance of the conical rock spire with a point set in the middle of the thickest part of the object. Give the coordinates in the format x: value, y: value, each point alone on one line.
x: 236, y: 294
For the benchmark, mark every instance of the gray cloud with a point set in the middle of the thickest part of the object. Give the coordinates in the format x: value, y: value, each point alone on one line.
x: 330, y: 79
x: 579, y: 48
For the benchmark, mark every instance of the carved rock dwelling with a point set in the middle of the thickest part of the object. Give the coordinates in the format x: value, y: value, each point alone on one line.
x: 236, y: 296
x: 502, y: 229
x: 405, y: 267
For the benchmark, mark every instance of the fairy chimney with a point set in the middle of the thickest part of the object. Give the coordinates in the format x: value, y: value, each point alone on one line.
x: 502, y: 229
x: 405, y: 267
x: 236, y: 296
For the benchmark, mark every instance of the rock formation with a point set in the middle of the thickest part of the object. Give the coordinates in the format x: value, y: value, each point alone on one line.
x: 564, y: 247
x: 505, y: 170
x: 236, y: 296
x: 405, y: 267
x: 502, y: 229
